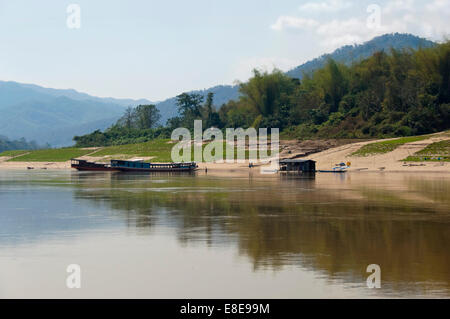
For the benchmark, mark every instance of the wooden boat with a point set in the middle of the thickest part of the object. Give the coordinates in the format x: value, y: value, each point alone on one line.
x: 83, y: 165
x: 339, y: 169
x: 140, y: 166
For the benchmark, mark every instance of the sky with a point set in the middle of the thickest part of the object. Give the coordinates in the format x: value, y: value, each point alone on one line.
x: 158, y: 49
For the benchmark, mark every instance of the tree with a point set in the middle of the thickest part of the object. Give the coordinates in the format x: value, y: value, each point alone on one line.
x: 336, y: 85
x: 444, y: 70
x: 266, y: 92
x: 210, y: 116
x: 208, y: 109
x: 190, y: 105
x: 128, y: 119
x: 147, y: 116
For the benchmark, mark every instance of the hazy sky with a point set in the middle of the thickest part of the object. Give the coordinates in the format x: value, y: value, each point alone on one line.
x: 157, y: 49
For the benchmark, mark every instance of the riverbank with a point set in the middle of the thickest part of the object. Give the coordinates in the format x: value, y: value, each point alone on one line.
x: 326, y: 153
x: 393, y: 161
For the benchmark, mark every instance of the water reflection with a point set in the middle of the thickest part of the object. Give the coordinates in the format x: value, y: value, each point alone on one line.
x: 332, y: 225
x: 287, y: 221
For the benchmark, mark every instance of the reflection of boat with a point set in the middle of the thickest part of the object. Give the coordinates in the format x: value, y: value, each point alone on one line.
x: 83, y: 165
x: 141, y: 166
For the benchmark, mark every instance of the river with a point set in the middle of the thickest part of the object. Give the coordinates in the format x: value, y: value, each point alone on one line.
x: 223, y: 235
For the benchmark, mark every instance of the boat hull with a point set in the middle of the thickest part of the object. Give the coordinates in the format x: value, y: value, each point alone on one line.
x: 94, y: 169
x: 149, y: 170
x: 140, y: 166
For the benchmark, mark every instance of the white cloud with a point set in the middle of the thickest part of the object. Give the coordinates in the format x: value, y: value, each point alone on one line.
x: 339, y: 27
x: 337, y: 33
x: 436, y: 6
x: 287, y: 22
x: 399, y: 5
x: 428, y: 19
x: 329, y: 6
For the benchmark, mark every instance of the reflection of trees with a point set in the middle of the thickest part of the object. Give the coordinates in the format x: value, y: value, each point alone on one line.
x: 290, y: 222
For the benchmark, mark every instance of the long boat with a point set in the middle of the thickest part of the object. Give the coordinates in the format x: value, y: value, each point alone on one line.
x: 83, y: 165
x: 140, y: 166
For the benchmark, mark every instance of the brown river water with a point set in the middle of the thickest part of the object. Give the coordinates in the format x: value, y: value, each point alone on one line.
x: 224, y: 236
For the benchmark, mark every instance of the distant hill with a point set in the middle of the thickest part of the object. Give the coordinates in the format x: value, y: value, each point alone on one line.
x: 354, y: 53
x: 79, y: 96
x: 54, y: 116
x: 347, y: 55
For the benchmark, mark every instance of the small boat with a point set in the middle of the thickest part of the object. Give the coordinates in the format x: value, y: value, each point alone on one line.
x: 83, y: 165
x: 337, y: 169
x: 141, y: 166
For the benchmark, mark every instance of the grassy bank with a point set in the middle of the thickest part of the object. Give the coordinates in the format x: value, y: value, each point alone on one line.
x: 51, y: 155
x: 387, y: 146
x: 159, y: 150
x: 13, y: 153
x: 436, y: 152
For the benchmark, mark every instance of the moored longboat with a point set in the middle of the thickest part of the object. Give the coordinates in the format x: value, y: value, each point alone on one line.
x: 132, y: 166
x: 141, y: 166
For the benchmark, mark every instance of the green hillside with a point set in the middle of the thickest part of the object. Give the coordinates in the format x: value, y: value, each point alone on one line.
x: 346, y: 55
x: 404, y: 93
x: 159, y: 150
x: 354, y: 53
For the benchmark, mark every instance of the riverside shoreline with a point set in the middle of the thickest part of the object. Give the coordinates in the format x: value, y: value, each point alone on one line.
x: 326, y: 159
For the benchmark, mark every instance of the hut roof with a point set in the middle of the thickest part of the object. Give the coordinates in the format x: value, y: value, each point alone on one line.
x: 286, y: 161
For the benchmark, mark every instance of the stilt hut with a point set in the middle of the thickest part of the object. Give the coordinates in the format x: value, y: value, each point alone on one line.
x: 301, y: 166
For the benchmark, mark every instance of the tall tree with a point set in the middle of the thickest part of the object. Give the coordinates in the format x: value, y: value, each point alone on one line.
x: 148, y: 116
x: 190, y: 108
x: 128, y: 118
x: 208, y: 110
x: 264, y: 91
x: 336, y: 85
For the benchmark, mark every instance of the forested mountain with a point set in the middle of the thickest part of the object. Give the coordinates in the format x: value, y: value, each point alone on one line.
x: 400, y: 93
x: 355, y: 53
x: 347, y: 55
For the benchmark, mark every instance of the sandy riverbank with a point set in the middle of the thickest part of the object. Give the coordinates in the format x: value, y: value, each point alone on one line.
x: 4, y: 164
x: 389, y: 162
